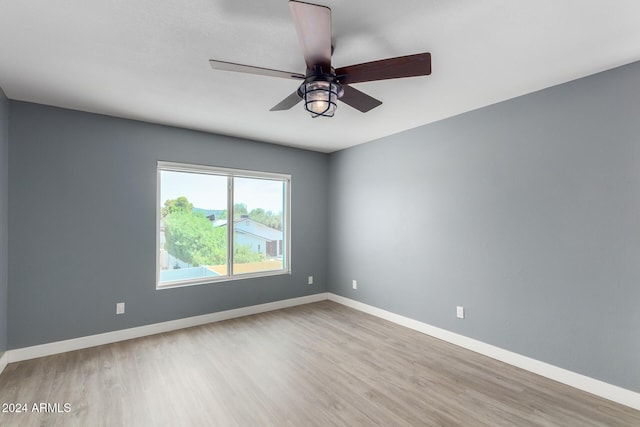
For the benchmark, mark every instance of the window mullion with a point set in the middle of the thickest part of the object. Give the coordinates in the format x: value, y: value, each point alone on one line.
x: 287, y: 225
x: 230, y: 216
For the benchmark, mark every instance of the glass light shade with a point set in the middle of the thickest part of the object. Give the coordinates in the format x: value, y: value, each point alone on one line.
x: 320, y: 98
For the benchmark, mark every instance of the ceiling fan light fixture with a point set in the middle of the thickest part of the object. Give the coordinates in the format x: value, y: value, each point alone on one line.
x: 320, y: 97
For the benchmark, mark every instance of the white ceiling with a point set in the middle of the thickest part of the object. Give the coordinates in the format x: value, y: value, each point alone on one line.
x: 148, y: 59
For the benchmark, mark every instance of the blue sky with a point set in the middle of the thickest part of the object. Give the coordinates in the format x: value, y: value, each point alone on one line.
x: 210, y: 191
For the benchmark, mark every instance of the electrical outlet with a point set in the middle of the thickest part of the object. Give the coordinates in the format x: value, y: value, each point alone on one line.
x: 460, y: 312
x: 120, y: 308
x: 354, y: 284
x: 310, y: 280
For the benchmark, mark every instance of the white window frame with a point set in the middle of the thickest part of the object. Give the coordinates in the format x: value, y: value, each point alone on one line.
x: 229, y: 174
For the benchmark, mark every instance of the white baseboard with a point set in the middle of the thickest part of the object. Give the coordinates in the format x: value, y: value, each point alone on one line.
x: 48, y: 349
x: 579, y: 381
x: 4, y: 359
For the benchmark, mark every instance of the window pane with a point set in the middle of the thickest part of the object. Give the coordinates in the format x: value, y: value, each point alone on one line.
x: 258, y: 225
x: 193, y: 226
x: 196, y: 221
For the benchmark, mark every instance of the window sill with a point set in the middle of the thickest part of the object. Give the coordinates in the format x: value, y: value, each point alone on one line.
x: 220, y: 279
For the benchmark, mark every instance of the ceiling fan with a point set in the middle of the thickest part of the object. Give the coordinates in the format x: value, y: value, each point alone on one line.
x: 322, y: 85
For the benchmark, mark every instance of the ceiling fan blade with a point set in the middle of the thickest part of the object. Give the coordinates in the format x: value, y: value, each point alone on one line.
x: 287, y: 103
x: 313, y: 25
x: 230, y: 66
x: 358, y: 100
x: 392, y: 68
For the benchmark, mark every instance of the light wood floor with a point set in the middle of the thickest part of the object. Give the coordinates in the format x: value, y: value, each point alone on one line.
x: 320, y: 364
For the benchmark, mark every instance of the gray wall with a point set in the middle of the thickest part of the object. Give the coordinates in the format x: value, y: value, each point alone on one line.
x: 4, y: 211
x: 82, y: 219
x: 527, y: 213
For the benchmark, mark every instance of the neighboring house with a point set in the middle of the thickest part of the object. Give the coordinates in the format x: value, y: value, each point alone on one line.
x: 262, y: 239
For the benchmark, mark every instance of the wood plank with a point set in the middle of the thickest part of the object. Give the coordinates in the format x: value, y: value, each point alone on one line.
x: 314, y: 365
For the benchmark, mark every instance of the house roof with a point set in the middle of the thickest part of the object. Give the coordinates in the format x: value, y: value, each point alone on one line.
x: 249, y: 226
x: 252, y: 227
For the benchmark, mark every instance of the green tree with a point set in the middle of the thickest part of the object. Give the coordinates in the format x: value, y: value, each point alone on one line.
x: 257, y: 214
x: 242, y: 254
x: 181, y: 204
x: 192, y: 238
x: 239, y: 209
x: 267, y: 218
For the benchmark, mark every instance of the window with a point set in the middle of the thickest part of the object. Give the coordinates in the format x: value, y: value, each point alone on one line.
x: 216, y: 224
